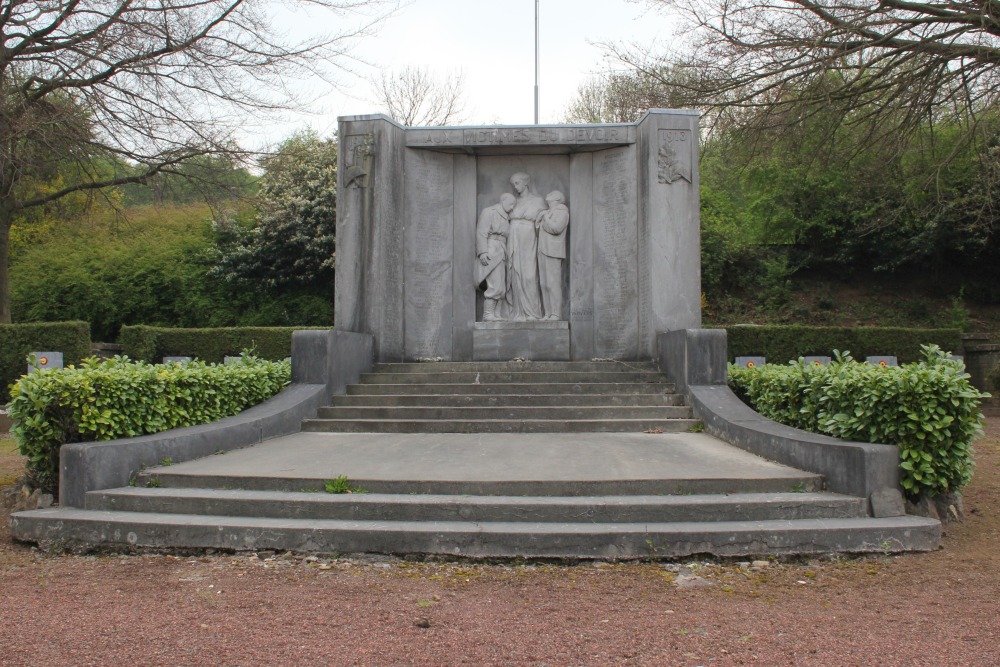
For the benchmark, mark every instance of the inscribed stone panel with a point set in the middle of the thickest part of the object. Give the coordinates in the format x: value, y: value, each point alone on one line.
x: 615, y: 254
x: 429, y: 261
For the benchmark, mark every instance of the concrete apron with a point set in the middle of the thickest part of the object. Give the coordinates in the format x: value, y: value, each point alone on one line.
x: 607, y: 496
x: 564, y: 464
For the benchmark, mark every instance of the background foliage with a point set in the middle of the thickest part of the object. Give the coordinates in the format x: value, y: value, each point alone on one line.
x: 17, y: 341
x: 151, y: 344
x: 781, y: 343
x: 290, y: 245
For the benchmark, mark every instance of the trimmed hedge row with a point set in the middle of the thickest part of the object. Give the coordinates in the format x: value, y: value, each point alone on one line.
x: 929, y: 410
x: 780, y: 343
x: 116, y: 398
x: 17, y: 341
x: 151, y: 344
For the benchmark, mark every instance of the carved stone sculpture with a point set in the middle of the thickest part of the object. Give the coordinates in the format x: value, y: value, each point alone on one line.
x: 491, y: 250
x: 552, y: 253
x: 522, y: 251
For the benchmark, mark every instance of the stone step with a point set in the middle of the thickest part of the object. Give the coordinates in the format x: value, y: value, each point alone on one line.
x: 789, y: 481
x: 511, y: 400
x: 542, y: 413
x: 422, y: 507
x: 519, y: 389
x: 478, y: 539
x: 510, y: 377
x: 499, y: 425
x: 508, y: 366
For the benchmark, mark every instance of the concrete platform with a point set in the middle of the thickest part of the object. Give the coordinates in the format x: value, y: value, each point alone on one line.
x: 588, y: 495
x: 561, y: 462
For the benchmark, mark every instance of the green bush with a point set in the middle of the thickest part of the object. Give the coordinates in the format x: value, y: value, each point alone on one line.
x: 151, y: 344
x: 17, y: 341
x: 117, y: 398
x: 155, y: 271
x: 928, y: 409
x: 779, y: 343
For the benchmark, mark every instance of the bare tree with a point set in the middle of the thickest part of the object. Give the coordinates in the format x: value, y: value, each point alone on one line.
x: 415, y: 97
x: 621, y: 97
x: 892, y: 65
x: 107, y: 92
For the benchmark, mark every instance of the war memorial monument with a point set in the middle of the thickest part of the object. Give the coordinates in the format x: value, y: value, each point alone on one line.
x: 517, y: 369
x: 598, y: 252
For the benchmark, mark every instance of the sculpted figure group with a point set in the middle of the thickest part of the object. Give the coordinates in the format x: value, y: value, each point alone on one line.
x: 521, y: 247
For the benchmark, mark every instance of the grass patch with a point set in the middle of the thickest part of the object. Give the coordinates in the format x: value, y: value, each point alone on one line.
x: 11, y: 461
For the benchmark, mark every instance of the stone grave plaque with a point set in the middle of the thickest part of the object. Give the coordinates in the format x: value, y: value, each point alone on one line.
x: 46, y: 360
x: 750, y: 362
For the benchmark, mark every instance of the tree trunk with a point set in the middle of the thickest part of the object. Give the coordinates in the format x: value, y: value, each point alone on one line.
x: 5, y: 220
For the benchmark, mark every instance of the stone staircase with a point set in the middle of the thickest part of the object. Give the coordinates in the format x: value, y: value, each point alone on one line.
x: 507, y: 459
x: 507, y: 397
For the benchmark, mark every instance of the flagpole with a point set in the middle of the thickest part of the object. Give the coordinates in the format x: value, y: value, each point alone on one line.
x: 537, y: 69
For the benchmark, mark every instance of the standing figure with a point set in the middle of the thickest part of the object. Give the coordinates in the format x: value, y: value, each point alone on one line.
x: 522, y: 251
x: 552, y: 253
x: 491, y: 250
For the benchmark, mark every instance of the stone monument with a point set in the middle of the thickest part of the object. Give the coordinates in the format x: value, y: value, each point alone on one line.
x: 537, y: 242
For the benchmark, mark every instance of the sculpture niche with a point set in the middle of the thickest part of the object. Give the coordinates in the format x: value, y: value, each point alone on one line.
x: 521, y: 248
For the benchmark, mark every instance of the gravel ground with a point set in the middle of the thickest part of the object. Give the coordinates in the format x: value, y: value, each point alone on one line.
x: 275, y: 609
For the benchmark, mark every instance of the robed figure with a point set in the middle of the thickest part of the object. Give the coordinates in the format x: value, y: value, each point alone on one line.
x: 522, y: 252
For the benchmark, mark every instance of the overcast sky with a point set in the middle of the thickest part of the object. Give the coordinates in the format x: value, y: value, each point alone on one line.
x: 492, y: 43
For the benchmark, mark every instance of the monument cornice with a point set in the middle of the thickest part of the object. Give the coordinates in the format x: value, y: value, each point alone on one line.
x: 547, y: 138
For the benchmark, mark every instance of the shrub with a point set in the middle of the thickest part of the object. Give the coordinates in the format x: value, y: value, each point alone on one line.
x: 153, y: 343
x: 928, y: 409
x: 118, y: 398
x: 17, y: 341
x: 780, y: 343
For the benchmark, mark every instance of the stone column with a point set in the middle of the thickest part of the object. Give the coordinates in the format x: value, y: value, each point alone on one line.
x: 370, y: 232
x: 669, y: 225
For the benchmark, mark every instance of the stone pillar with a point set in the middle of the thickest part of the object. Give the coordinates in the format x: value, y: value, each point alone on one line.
x: 669, y: 225
x: 370, y: 232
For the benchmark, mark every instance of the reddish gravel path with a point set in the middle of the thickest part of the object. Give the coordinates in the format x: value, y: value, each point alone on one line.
x: 932, y: 609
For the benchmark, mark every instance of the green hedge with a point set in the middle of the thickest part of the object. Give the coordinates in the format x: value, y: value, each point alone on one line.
x: 929, y: 410
x: 17, y: 341
x: 116, y: 398
x: 151, y: 344
x: 779, y: 344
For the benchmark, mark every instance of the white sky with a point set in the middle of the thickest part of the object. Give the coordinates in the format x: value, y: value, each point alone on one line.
x: 492, y: 43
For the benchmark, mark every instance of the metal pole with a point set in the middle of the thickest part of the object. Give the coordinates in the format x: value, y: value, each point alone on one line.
x: 537, y: 69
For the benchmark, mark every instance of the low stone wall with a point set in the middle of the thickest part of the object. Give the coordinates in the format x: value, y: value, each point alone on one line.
x: 695, y: 360
x: 323, y: 364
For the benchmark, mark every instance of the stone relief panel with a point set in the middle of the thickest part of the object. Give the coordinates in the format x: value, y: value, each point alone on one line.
x: 674, y: 156
x: 521, y: 238
x: 359, y: 150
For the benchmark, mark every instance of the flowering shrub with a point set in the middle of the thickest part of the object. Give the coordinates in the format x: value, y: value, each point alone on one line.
x: 928, y: 409
x: 118, y: 398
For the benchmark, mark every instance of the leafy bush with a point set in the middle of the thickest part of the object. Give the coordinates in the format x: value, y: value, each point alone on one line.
x: 928, y: 409
x: 155, y: 271
x: 118, y: 398
x: 292, y: 243
x: 780, y: 343
x: 213, y: 345
x: 17, y: 341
